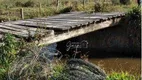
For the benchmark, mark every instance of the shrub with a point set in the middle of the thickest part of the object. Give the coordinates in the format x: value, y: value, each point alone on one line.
x: 125, y: 1
x: 132, y: 23
x: 29, y: 4
x: 67, y: 9
x: 8, y: 50
x: 134, y: 14
x: 90, y: 6
x: 19, y: 4
x: 116, y: 2
x: 104, y: 7
x: 33, y: 64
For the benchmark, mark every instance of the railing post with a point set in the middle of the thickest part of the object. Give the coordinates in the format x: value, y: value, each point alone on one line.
x: 22, y: 13
x: 57, y: 4
x: 8, y: 15
x: 84, y: 4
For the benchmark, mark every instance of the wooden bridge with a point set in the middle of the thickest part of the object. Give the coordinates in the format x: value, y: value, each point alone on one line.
x: 60, y: 27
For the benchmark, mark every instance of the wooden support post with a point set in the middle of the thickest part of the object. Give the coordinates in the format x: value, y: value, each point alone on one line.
x: 22, y: 13
x: 57, y: 4
x: 8, y: 15
x: 84, y: 4
x: 40, y: 10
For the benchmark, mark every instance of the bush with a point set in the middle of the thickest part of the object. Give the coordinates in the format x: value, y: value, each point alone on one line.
x: 116, y: 2
x: 134, y: 14
x: 33, y: 64
x: 67, y: 9
x: 29, y: 4
x: 125, y: 1
x: 132, y: 23
x: 8, y: 50
x: 19, y: 4
x: 105, y: 7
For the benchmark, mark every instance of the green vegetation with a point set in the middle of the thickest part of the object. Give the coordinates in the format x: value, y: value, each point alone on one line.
x: 8, y: 50
x: 122, y: 76
x: 10, y: 9
x: 132, y: 25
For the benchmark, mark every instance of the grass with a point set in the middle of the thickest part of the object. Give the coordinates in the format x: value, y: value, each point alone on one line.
x: 8, y: 51
x: 10, y: 9
x: 122, y: 76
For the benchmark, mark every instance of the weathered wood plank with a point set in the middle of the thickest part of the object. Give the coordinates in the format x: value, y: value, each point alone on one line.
x: 26, y: 31
x: 22, y: 32
x: 39, y: 25
x: 26, y: 34
x: 19, y: 27
x: 13, y: 32
x: 13, y: 29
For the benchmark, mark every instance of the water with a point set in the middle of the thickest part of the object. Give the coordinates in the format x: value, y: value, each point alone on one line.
x: 131, y: 65
x: 49, y: 51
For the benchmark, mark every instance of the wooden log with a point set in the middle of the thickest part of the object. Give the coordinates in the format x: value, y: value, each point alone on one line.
x: 22, y: 13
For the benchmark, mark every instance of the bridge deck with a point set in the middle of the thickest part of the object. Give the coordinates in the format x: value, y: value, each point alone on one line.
x: 51, y: 27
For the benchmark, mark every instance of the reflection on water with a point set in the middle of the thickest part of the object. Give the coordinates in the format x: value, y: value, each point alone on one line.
x: 131, y: 65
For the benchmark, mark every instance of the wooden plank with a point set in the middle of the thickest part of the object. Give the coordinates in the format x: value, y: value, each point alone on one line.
x: 39, y: 25
x: 112, y: 14
x: 59, y: 24
x: 13, y: 32
x: 62, y: 25
x: 22, y: 32
x: 11, y: 28
x: 26, y: 34
x: 19, y: 27
x: 29, y: 29
x: 69, y: 22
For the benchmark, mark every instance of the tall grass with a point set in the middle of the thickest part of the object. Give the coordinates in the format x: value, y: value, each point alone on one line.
x: 10, y: 9
x: 8, y: 50
x: 122, y: 76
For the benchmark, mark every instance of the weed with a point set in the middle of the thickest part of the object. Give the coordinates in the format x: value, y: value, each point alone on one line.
x: 8, y: 51
x: 121, y: 76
